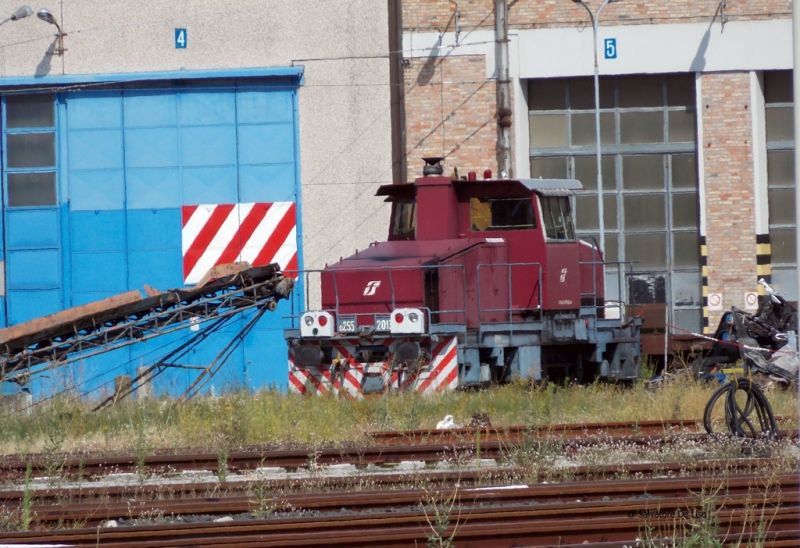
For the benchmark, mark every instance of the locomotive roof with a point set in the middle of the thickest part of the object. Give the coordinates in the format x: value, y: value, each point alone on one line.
x: 540, y: 186
x: 406, y: 253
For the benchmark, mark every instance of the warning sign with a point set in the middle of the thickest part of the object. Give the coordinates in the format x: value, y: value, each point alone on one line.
x: 750, y: 300
x: 715, y: 301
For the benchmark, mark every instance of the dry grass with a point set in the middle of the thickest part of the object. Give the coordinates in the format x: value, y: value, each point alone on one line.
x: 272, y: 418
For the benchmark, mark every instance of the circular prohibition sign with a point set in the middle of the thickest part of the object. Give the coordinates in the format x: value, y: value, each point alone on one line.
x: 714, y: 299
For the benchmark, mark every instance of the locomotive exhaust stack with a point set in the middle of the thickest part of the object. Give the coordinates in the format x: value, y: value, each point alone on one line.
x: 479, y: 281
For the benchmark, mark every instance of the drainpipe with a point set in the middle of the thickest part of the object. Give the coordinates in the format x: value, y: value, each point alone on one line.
x: 503, y: 90
x: 397, y: 92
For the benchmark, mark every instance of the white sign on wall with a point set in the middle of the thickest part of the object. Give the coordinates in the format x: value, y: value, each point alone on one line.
x: 715, y: 301
x: 750, y: 300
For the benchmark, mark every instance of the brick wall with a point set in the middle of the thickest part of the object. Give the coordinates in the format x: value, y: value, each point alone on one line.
x: 729, y: 179
x: 450, y: 112
x: 426, y: 15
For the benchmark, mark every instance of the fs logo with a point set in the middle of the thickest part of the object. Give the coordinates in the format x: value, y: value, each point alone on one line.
x: 371, y: 288
x: 563, y: 277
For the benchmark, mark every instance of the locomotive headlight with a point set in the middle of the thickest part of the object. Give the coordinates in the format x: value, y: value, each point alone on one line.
x: 413, y: 317
x: 407, y: 321
x: 316, y: 324
x: 308, y: 320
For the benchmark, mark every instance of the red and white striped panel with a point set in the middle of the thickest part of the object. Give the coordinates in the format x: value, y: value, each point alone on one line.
x: 259, y: 233
x: 441, y: 373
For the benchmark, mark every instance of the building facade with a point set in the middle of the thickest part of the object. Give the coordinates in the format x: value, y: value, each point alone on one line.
x: 144, y: 143
x: 696, y: 132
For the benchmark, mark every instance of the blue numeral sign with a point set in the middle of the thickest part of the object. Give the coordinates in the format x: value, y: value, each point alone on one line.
x: 610, y: 45
x: 180, y: 38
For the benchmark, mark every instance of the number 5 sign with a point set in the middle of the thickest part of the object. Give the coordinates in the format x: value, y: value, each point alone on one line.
x: 610, y: 48
x: 180, y: 38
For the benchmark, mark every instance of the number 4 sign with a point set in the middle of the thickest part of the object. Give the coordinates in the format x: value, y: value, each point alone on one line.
x: 180, y: 38
x: 610, y: 48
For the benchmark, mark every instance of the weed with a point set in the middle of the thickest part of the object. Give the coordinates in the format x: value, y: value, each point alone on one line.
x: 27, y: 499
x: 222, y: 464
x: 438, y: 510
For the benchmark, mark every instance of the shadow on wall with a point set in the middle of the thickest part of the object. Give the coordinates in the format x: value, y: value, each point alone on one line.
x: 699, y: 61
x: 44, y: 66
x: 428, y: 70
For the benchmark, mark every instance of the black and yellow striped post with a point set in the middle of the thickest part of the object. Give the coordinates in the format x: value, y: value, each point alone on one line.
x: 704, y: 270
x: 763, y: 261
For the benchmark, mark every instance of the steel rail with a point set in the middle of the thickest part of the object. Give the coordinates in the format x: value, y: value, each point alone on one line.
x: 93, y: 513
x: 90, y: 491
x: 12, y: 467
x: 476, y: 525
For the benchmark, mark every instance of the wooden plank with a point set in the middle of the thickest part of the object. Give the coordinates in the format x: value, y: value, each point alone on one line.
x: 67, y: 317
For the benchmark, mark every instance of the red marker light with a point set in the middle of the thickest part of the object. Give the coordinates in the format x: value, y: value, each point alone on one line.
x: 398, y: 318
x: 472, y: 176
x: 323, y: 321
x: 487, y: 174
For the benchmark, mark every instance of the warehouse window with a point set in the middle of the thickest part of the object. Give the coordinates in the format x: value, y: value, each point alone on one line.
x: 30, y: 150
x: 779, y: 112
x: 650, y: 198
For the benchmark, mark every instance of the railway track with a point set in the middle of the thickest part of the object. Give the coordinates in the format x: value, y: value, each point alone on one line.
x: 13, y: 468
x: 738, y: 516
x: 94, y: 513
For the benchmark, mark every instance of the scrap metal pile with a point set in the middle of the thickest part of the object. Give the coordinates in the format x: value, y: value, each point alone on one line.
x: 764, y: 341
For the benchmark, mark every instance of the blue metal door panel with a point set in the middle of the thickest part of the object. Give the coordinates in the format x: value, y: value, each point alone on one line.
x: 210, y: 185
x: 151, y: 147
x: 154, y: 188
x: 32, y: 228
x: 95, y: 149
x: 208, y: 146
x: 208, y: 106
x: 258, y: 104
x: 151, y: 108
x: 97, y: 190
x: 33, y: 269
x: 159, y: 269
x: 273, y: 183
x: 155, y: 229
x: 266, y: 144
x: 99, y: 273
x: 30, y: 304
x: 94, y: 109
x: 97, y: 232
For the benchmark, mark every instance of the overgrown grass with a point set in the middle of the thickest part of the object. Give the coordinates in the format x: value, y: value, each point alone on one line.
x: 271, y: 417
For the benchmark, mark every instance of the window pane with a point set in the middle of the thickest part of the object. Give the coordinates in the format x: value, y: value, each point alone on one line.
x: 31, y: 150
x: 780, y: 124
x: 586, y: 212
x: 687, y: 250
x: 781, y: 206
x: 644, y: 211
x: 681, y: 126
x: 780, y: 168
x: 684, y: 210
x: 31, y: 189
x: 581, y: 93
x: 643, y: 172
x: 641, y: 91
x: 650, y: 250
x: 684, y: 171
x: 547, y: 94
x: 548, y: 130
x: 584, y: 129
x: 641, y: 127
x: 778, y: 86
x: 502, y: 214
x: 611, y: 252
x: 782, y: 244
x: 680, y: 90
x: 30, y: 111
x: 586, y: 172
x: 549, y: 168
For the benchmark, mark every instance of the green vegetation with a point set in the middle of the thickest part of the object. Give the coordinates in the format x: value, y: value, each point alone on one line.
x: 271, y: 418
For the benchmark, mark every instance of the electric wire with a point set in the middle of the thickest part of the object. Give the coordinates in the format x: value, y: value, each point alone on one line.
x: 739, y: 419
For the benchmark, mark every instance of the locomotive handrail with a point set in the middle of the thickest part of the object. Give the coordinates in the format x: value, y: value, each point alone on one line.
x: 462, y: 312
x: 510, y: 310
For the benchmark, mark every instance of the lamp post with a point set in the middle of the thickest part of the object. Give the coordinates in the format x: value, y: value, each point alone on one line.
x: 21, y: 13
x: 595, y: 19
x: 47, y: 17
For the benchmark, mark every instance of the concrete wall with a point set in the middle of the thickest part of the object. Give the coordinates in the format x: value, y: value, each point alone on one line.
x: 345, y: 130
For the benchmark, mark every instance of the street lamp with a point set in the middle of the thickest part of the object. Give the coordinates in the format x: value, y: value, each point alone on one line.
x: 595, y: 19
x: 47, y: 17
x: 21, y: 13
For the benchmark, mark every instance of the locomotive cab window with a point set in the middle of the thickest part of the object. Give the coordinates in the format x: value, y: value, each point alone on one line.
x: 557, y: 218
x: 501, y: 214
x: 405, y: 218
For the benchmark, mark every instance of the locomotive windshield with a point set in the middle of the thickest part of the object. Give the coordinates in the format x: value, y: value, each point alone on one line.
x: 405, y: 218
x: 557, y: 218
x: 501, y: 214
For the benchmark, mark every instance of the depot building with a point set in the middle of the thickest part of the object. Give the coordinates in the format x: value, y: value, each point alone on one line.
x: 695, y: 122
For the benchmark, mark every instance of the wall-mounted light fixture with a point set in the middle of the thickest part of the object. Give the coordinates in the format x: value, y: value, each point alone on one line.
x: 21, y: 13
x: 47, y: 17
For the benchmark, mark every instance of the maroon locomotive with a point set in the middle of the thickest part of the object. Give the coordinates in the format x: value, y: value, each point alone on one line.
x: 479, y: 281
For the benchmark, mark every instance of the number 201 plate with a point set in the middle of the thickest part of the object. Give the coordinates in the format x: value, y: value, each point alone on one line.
x: 382, y: 323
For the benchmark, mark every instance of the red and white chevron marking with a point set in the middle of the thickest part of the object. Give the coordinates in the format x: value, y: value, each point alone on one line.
x: 441, y: 373
x: 259, y: 233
